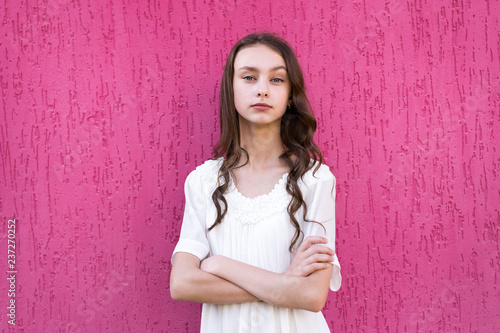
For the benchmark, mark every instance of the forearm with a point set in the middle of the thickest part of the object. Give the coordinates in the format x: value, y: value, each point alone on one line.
x: 282, y: 290
x: 204, y: 287
x: 189, y: 283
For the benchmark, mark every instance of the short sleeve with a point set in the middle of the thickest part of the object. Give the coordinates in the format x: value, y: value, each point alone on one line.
x: 193, y: 238
x: 320, y: 202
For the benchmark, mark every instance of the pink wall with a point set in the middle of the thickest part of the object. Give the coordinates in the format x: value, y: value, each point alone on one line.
x: 106, y: 106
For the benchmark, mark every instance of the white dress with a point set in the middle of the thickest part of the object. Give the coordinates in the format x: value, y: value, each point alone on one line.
x: 258, y: 232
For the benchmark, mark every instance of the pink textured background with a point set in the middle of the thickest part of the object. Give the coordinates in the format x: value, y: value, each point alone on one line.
x: 106, y: 106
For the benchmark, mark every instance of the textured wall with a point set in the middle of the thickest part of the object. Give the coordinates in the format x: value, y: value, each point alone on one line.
x: 106, y: 106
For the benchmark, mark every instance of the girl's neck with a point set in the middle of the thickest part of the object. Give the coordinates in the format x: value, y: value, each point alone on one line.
x: 263, y: 145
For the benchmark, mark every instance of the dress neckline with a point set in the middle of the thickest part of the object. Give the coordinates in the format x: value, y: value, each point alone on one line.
x: 275, y: 189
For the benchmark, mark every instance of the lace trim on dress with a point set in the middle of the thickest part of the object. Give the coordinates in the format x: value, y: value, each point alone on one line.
x: 254, y: 210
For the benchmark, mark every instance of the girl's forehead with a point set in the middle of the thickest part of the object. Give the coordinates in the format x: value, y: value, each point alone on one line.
x: 258, y: 56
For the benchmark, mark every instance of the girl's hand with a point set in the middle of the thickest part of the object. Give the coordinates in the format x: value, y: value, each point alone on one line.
x: 311, y: 256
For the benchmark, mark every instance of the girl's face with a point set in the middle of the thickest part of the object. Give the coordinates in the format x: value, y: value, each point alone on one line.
x: 260, y: 85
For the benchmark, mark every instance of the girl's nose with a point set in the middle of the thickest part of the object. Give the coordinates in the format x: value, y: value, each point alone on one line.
x: 262, y: 89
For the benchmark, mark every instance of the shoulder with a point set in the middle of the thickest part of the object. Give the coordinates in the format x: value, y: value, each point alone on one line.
x: 209, y: 167
x: 318, y: 182
x: 318, y: 173
x: 205, y: 175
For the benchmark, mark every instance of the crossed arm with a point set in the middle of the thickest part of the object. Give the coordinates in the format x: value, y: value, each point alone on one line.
x: 221, y: 280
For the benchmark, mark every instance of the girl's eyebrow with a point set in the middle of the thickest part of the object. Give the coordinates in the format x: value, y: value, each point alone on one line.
x: 254, y: 69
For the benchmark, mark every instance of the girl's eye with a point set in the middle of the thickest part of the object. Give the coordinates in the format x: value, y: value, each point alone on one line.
x: 248, y: 78
x: 277, y: 80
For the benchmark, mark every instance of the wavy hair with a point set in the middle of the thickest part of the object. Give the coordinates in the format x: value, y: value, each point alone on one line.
x: 298, y: 126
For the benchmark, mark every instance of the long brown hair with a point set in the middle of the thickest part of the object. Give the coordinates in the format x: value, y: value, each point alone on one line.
x: 297, y: 130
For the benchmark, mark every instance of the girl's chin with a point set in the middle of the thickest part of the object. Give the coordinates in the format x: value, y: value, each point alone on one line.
x: 260, y: 118
x: 260, y: 121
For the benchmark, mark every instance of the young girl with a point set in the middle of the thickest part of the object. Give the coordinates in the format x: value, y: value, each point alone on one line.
x: 258, y: 236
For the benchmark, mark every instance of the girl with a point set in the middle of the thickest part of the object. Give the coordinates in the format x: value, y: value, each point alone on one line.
x: 257, y: 239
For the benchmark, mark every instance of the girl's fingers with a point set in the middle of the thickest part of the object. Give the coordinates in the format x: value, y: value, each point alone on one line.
x: 311, y: 256
x: 318, y: 258
x: 315, y: 267
x: 309, y: 241
x: 318, y: 248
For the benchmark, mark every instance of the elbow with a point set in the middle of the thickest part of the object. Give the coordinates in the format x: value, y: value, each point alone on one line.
x: 315, y: 301
x: 175, y: 291
x: 183, y: 277
x: 315, y: 305
x: 178, y: 290
x: 308, y: 298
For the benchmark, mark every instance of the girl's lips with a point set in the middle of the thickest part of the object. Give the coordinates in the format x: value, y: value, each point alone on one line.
x: 261, y: 106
